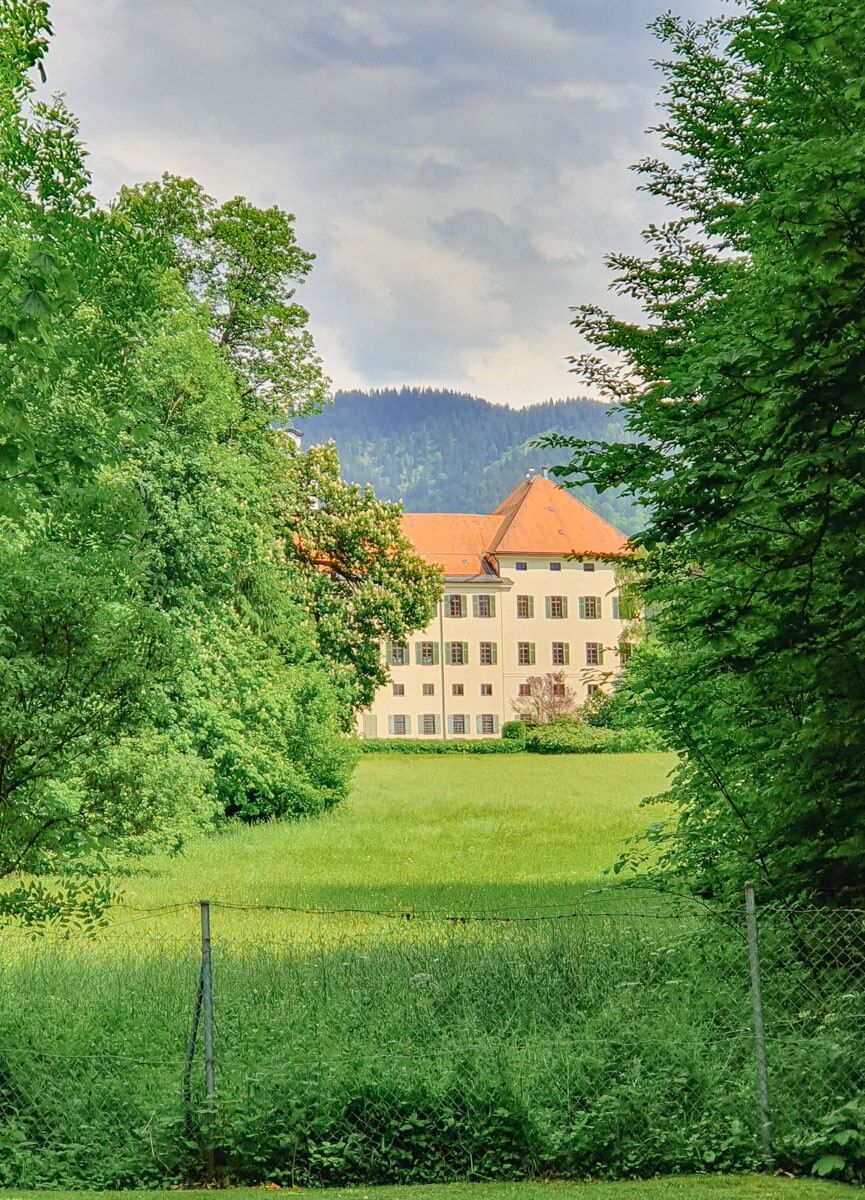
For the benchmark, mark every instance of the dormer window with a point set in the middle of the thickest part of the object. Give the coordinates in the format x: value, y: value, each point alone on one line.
x: 555, y: 566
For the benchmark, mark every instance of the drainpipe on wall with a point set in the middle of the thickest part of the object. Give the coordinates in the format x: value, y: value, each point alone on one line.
x: 442, y: 666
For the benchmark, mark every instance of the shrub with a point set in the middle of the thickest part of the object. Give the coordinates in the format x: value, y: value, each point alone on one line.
x: 456, y: 746
x: 637, y: 739
x: 567, y: 737
x: 514, y: 731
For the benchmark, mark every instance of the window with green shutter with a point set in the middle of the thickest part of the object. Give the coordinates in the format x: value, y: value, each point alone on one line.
x: 525, y: 606
x: 488, y: 654
x: 456, y: 654
x: 590, y: 607
x: 426, y: 654
x: 455, y: 605
x: 561, y: 654
x: 526, y: 654
x: 594, y: 654
x: 484, y: 606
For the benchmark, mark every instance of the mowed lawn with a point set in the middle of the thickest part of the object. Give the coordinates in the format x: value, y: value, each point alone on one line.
x: 752, y: 1187
x: 509, y: 833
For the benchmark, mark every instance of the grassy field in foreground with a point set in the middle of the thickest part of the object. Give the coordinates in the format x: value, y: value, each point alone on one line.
x: 510, y: 833
x: 751, y: 1187
x: 368, y: 1050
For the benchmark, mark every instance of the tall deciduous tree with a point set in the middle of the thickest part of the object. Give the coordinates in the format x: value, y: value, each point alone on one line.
x: 745, y: 386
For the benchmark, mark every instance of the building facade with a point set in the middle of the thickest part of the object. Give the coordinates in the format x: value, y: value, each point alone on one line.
x: 530, y: 590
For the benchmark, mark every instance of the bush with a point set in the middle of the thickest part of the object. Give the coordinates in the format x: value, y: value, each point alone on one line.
x: 638, y: 739
x: 567, y: 737
x: 514, y: 731
x: 456, y: 746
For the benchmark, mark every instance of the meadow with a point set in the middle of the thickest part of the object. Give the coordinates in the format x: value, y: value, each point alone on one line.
x: 435, y: 983
x: 501, y: 834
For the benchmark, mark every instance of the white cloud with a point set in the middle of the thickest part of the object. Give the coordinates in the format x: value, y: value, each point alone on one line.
x: 459, y: 169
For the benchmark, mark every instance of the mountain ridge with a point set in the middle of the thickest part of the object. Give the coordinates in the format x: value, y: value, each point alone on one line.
x: 440, y: 450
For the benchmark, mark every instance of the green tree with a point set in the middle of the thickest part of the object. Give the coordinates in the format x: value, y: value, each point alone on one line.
x: 744, y: 390
x: 244, y: 264
x: 154, y: 668
x: 354, y: 571
x: 345, y: 560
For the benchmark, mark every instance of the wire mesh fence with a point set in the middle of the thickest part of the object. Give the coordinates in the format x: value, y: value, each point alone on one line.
x: 400, y: 1045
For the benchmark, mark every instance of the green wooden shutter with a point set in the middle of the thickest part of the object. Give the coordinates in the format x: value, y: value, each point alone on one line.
x: 465, y: 653
x: 494, y: 653
x: 390, y: 725
x: 417, y: 653
x: 548, y: 606
x: 531, y: 606
x: 495, y: 724
x: 388, y: 653
x: 476, y: 606
x: 600, y: 656
x: 599, y: 609
x: 479, y: 724
x: 565, y: 607
x: 492, y: 606
x: 408, y: 725
x: 450, y: 724
x: 582, y: 606
x: 448, y: 653
x: 566, y: 648
x: 435, y: 654
x: 463, y: 606
x: 616, y: 616
x: 531, y: 654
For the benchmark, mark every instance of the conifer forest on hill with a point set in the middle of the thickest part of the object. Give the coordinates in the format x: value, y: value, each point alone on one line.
x: 443, y: 451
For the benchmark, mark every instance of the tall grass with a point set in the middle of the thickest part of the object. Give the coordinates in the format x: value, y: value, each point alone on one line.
x: 354, y: 1048
x: 586, y: 1047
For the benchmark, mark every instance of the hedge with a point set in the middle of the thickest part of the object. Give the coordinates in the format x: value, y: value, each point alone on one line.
x: 422, y: 746
x: 540, y: 739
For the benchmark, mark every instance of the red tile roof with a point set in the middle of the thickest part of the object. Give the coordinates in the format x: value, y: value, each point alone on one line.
x: 542, y: 518
x: 458, y: 542
x: 538, y: 517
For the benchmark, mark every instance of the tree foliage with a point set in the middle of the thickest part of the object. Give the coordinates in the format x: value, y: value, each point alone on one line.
x: 744, y: 392
x: 163, y: 660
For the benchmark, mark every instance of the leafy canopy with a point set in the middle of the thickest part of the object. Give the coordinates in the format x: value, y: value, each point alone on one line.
x: 744, y: 390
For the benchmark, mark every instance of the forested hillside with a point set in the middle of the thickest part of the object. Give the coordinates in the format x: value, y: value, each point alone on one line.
x: 443, y: 451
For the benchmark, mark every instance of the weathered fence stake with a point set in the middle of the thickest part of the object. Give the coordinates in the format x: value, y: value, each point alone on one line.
x: 190, y: 1055
x: 207, y: 1013
x: 207, y: 1003
x: 759, y: 1030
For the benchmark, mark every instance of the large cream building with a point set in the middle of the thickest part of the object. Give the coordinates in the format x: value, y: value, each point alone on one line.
x: 529, y: 590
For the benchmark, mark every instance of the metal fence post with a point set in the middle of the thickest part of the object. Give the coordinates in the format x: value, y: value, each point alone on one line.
x: 759, y: 1030
x: 207, y: 1014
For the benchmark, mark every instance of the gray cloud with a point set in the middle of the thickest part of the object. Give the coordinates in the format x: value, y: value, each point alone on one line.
x: 460, y: 169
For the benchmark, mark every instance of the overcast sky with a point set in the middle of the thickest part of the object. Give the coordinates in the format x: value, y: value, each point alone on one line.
x: 459, y: 167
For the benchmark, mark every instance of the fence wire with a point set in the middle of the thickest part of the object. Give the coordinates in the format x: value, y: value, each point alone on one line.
x: 424, y: 1045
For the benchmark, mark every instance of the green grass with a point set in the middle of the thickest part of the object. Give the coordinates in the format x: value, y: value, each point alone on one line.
x: 362, y: 1049
x: 751, y: 1187
x: 512, y: 833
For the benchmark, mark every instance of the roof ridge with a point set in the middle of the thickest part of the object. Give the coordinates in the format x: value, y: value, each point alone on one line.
x: 508, y: 520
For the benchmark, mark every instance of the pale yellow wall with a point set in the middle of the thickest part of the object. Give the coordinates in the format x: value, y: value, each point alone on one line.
x: 507, y: 630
